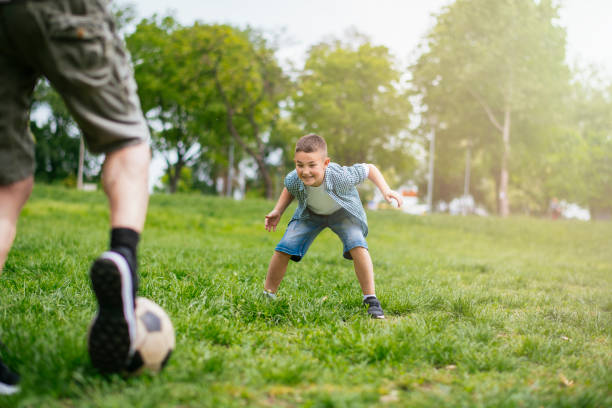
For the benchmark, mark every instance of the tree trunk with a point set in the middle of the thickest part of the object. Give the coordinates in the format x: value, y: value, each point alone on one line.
x: 174, y: 176
x: 504, y: 202
x: 502, y: 198
x: 430, y: 172
x: 230, y: 171
x: 259, y: 159
x: 466, y: 177
x: 81, y: 164
x: 268, y: 188
x: 255, y: 154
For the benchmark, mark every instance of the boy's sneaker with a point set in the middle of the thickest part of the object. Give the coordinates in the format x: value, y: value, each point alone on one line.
x: 9, y: 380
x: 114, y: 327
x: 374, y: 309
x: 269, y: 295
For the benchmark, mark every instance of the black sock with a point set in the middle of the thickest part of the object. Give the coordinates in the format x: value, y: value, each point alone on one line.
x: 125, y: 241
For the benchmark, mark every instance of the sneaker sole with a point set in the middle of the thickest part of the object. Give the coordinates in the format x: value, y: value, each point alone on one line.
x: 6, y: 389
x: 113, y: 329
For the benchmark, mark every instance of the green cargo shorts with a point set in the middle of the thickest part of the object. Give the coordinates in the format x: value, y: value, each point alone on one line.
x: 74, y: 44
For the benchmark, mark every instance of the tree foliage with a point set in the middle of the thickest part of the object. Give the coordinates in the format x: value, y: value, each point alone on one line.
x: 500, y: 63
x: 349, y: 93
x: 177, y: 103
x: 203, y: 86
x: 586, y: 159
x: 251, y: 85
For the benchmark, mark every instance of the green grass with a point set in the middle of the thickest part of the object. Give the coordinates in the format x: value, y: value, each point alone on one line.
x: 480, y: 311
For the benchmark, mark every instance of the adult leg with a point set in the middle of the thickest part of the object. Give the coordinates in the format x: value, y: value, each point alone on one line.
x: 276, y: 271
x: 12, y: 198
x: 363, y: 269
x: 125, y: 178
x: 17, y: 80
x: 113, y: 274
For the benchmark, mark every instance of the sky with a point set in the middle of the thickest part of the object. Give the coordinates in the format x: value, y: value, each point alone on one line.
x: 397, y: 24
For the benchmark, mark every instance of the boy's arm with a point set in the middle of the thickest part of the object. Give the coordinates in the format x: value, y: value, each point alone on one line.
x: 377, y: 178
x: 274, y: 216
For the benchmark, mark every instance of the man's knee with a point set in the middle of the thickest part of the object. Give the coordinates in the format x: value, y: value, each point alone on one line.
x: 13, y: 196
x: 132, y: 161
x: 138, y: 153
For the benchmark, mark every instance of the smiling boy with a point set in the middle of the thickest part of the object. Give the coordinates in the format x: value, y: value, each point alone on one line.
x: 327, y: 197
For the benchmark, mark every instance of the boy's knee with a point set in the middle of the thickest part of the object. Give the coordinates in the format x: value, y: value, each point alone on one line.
x: 358, y: 252
x: 358, y: 249
x: 282, y: 254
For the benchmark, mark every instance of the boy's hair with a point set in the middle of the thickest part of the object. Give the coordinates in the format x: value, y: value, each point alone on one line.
x: 311, y: 143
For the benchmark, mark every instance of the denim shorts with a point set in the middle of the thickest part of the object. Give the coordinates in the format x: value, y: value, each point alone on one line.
x: 301, y: 232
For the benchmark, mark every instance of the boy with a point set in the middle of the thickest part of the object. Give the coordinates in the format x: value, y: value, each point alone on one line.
x: 75, y: 45
x: 327, y: 197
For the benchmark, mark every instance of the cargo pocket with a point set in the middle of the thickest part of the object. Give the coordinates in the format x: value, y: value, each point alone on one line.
x: 82, y: 46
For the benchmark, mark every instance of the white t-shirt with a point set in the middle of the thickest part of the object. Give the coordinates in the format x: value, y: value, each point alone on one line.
x: 320, y: 202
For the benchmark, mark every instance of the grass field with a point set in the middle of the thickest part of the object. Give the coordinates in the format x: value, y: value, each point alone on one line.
x: 480, y: 311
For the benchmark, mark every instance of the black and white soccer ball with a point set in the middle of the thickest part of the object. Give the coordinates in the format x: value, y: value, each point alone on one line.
x: 154, y: 338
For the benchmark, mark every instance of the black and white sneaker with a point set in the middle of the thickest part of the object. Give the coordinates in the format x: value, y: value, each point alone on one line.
x: 9, y: 380
x: 374, y: 309
x: 113, y: 330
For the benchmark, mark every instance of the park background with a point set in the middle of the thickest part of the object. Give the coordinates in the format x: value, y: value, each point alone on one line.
x: 504, y: 106
x: 512, y: 309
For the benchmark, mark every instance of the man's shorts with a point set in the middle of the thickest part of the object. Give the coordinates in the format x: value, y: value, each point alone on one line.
x: 301, y: 232
x: 75, y: 45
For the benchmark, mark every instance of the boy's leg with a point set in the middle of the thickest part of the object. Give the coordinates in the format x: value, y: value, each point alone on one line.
x: 293, y: 246
x: 365, y: 274
x: 363, y: 269
x: 276, y: 271
x: 355, y: 247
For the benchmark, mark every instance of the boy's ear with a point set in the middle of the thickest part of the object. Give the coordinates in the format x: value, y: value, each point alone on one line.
x: 326, y: 162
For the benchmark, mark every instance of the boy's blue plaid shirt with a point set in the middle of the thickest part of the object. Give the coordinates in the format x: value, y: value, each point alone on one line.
x: 340, y: 182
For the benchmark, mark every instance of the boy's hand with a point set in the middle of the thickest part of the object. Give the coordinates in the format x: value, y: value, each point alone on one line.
x: 272, y: 220
x: 393, y: 195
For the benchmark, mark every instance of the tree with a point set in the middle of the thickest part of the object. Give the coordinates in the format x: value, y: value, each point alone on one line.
x: 251, y: 85
x: 176, y: 93
x: 349, y: 93
x: 204, y: 85
x: 589, y: 157
x: 506, y: 57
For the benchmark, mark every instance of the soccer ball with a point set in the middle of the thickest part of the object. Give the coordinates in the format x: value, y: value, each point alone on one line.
x: 154, y: 338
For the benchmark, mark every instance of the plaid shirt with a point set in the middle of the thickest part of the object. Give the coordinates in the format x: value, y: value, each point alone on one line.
x: 340, y: 182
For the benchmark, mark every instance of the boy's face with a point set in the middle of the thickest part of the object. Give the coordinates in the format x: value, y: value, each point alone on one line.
x: 311, y: 167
